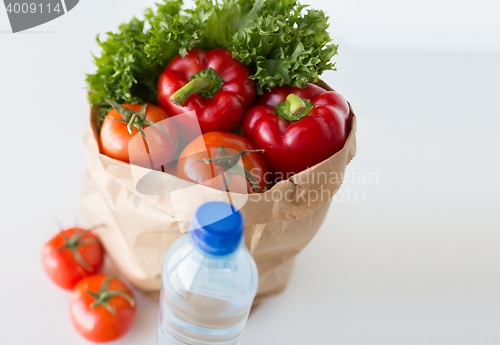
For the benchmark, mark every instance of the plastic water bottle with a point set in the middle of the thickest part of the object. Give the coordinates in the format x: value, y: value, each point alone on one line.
x: 209, y: 281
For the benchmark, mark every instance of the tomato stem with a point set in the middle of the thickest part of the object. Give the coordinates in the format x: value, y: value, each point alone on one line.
x: 205, y: 83
x: 130, y: 125
x: 230, y: 164
x: 104, y: 295
x: 138, y: 120
x: 72, y: 243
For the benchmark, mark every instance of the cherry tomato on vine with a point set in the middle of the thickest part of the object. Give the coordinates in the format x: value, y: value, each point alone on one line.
x: 159, y: 138
x: 224, y: 161
x: 72, y: 255
x: 102, y: 308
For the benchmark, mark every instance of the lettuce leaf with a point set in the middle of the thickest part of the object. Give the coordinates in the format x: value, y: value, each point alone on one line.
x: 282, y: 42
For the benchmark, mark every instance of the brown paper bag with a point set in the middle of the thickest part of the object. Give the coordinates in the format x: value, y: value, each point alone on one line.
x: 140, y: 227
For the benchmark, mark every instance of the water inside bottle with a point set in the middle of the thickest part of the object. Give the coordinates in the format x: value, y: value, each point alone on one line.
x: 200, y: 318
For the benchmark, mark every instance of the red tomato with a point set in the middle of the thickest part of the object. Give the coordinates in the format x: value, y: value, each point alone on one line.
x: 118, y: 143
x: 102, y: 308
x: 72, y: 255
x: 191, y: 166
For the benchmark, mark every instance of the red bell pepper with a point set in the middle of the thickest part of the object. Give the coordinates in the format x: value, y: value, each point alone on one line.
x: 213, y: 84
x: 297, y: 128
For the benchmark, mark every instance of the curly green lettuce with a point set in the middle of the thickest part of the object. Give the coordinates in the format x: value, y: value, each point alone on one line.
x: 281, y: 41
x: 284, y: 46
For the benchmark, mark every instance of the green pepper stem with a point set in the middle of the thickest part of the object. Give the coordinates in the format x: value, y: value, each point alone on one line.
x: 295, y: 104
x: 200, y: 84
x: 294, y: 108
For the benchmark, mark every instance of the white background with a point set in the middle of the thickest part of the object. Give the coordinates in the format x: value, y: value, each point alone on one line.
x: 415, y: 260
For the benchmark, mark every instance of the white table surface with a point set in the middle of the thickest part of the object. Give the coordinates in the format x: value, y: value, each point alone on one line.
x: 415, y: 259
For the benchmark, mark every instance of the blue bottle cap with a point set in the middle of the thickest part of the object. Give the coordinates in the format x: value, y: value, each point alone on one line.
x: 217, y: 228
